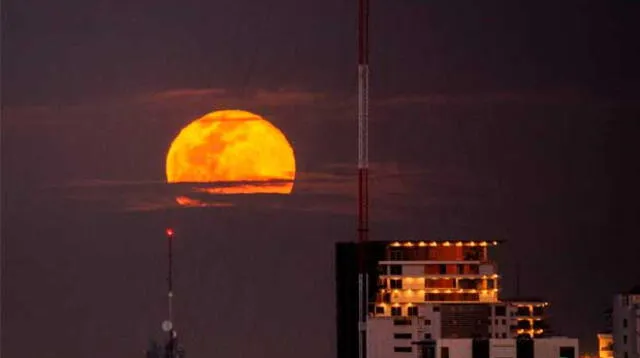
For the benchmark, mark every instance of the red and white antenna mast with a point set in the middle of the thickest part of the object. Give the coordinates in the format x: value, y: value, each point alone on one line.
x: 363, y: 170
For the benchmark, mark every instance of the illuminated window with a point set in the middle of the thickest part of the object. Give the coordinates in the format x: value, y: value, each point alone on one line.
x: 396, y: 311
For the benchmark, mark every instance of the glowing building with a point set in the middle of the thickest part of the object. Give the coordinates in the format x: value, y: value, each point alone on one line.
x: 440, y: 299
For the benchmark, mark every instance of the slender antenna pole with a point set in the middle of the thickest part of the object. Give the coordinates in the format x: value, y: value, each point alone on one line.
x: 171, y: 330
x: 363, y: 169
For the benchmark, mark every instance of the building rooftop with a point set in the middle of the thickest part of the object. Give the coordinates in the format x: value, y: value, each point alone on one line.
x: 435, y: 243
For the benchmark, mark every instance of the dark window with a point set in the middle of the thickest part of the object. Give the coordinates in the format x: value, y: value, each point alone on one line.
x: 382, y: 283
x: 524, y: 324
x: 444, y: 352
x: 427, y: 336
x: 403, y: 349
x: 524, y: 347
x: 397, y: 283
x: 480, y: 348
x: 379, y: 310
x: 443, y: 269
x: 401, y: 322
x: 538, y: 311
x: 567, y: 352
x: 467, y: 283
x: 501, y: 311
x: 504, y: 335
x: 412, y: 311
x: 396, y: 254
x: 386, y: 298
x: 626, y: 355
x: 524, y: 311
x: 427, y: 322
x: 395, y: 269
x: 402, y: 335
x: 504, y: 321
x: 460, y: 269
x: 396, y: 311
x: 624, y: 323
x: 436, y: 308
x: 624, y: 339
x: 382, y: 269
x: 496, y: 322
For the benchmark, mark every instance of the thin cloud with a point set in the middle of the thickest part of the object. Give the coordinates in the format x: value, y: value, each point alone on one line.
x: 188, y: 92
x: 332, y: 190
x: 231, y: 99
x: 558, y: 96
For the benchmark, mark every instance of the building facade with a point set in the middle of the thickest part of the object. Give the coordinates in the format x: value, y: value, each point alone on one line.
x: 626, y: 324
x: 455, y: 286
x: 605, y: 345
x: 439, y: 299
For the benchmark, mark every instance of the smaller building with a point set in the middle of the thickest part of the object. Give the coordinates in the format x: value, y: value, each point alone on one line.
x: 626, y: 324
x: 530, y: 317
x: 605, y: 345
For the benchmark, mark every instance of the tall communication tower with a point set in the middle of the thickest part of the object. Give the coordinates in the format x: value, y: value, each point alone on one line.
x: 171, y: 349
x: 363, y: 170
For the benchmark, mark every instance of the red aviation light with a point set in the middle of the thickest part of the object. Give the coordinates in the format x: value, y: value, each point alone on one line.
x: 170, y: 232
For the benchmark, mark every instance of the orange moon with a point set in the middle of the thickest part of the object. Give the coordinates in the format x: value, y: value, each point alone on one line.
x: 233, y: 146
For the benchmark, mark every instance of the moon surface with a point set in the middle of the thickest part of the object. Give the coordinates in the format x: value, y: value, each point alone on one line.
x: 232, y: 146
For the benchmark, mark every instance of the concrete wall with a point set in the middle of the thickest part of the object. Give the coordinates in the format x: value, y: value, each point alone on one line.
x: 381, y: 341
x: 550, y: 347
x: 626, y: 307
x: 502, y: 348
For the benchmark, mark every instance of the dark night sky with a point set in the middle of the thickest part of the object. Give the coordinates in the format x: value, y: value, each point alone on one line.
x: 509, y: 120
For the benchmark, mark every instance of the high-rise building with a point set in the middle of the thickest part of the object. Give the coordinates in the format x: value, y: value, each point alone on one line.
x: 626, y: 324
x: 438, y: 299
